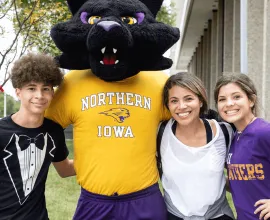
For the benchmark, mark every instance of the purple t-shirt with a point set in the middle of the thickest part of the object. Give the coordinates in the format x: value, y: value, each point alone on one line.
x: 248, y: 164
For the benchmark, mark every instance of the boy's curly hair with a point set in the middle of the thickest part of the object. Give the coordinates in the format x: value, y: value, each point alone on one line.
x: 38, y: 68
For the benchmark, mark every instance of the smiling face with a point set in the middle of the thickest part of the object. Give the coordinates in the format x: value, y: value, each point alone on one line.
x: 234, y: 106
x: 35, y: 98
x: 184, y: 105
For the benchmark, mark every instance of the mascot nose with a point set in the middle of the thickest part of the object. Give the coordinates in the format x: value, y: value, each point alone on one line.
x: 108, y: 25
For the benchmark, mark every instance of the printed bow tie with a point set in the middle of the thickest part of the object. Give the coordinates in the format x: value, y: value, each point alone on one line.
x: 25, y: 141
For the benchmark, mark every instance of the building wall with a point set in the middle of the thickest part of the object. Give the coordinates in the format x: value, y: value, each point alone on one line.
x: 219, y: 49
x: 181, y: 15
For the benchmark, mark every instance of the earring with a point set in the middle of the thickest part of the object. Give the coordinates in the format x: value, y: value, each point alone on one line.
x: 201, y: 105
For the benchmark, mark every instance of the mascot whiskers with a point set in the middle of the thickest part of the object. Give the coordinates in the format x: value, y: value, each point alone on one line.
x: 112, y: 97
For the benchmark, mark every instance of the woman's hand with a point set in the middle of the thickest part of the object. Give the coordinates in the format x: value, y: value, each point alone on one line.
x: 263, y: 207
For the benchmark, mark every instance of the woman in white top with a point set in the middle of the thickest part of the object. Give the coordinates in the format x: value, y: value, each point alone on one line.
x: 193, y: 154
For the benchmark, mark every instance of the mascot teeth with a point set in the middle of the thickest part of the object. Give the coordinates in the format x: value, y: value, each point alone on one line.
x: 117, y: 61
x: 109, y: 56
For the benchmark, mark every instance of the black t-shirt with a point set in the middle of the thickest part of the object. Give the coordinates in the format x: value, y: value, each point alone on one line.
x: 25, y: 157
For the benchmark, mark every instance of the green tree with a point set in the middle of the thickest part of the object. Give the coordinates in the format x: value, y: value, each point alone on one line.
x: 32, y: 21
x: 167, y: 15
x: 46, y: 14
x: 12, y: 105
x: 50, y: 12
x: 18, y: 42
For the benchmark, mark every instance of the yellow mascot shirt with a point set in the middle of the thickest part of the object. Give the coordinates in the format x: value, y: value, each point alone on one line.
x: 115, y: 126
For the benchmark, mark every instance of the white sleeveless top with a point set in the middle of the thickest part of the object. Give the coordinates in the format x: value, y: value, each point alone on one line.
x: 193, y: 177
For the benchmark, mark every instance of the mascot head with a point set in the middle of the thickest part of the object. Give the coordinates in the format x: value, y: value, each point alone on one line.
x: 115, y: 38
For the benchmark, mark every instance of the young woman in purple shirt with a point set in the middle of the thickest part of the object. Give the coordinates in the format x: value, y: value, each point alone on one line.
x: 248, y: 159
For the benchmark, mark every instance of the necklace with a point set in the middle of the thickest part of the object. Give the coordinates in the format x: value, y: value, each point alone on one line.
x: 239, y: 133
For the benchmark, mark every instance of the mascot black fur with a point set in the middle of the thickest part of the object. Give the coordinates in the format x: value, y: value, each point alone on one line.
x: 114, y: 38
x: 112, y: 96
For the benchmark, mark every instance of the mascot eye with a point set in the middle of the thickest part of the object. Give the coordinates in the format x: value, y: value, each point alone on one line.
x: 94, y: 19
x: 129, y: 20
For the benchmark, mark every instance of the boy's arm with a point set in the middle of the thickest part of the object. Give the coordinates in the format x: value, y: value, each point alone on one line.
x: 62, y: 164
x: 65, y: 168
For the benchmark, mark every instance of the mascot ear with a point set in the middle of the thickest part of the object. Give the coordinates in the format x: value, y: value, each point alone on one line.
x: 154, y: 64
x: 74, y: 5
x: 73, y: 62
x: 153, y: 5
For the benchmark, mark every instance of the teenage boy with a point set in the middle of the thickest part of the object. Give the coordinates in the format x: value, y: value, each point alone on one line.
x: 29, y: 142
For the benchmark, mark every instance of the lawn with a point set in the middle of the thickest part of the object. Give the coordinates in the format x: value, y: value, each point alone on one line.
x: 229, y: 197
x: 62, y: 194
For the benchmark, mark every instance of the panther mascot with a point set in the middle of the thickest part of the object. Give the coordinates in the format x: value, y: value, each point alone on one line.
x: 112, y: 97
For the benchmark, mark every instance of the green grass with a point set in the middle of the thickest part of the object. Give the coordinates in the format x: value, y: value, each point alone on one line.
x: 62, y: 193
x: 229, y: 197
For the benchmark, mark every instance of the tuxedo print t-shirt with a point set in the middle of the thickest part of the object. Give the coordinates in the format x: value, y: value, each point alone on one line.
x: 25, y: 157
